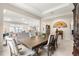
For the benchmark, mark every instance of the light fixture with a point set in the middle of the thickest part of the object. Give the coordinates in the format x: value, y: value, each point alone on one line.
x: 4, y: 11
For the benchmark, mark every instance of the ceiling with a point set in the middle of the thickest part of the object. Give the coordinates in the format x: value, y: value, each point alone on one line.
x: 46, y: 10
x: 11, y: 16
x: 42, y: 7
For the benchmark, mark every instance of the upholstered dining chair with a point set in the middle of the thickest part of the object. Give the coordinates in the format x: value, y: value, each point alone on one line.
x: 50, y: 45
x: 15, y: 51
x: 13, y: 48
x: 56, y: 40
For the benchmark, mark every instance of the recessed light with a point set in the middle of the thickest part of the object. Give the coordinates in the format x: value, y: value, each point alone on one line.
x: 4, y: 11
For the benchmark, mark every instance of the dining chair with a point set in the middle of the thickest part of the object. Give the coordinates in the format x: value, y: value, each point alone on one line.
x: 15, y: 51
x: 56, y: 40
x: 12, y: 46
x: 4, y: 40
x: 50, y: 47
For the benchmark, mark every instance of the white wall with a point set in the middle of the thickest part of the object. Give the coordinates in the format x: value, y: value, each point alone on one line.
x: 43, y: 25
x: 68, y: 20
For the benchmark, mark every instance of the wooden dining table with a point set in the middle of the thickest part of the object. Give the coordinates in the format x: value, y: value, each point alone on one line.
x: 34, y: 43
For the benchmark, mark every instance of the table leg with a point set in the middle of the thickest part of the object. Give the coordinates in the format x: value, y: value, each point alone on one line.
x: 36, y: 51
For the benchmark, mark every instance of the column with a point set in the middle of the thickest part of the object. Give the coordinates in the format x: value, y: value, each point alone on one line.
x: 1, y: 28
x: 40, y: 26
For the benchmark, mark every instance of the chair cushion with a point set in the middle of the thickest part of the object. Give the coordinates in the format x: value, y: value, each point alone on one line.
x: 28, y: 53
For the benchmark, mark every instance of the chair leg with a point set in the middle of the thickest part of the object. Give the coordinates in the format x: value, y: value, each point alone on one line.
x: 52, y: 49
x: 56, y: 45
x: 62, y: 36
x: 49, y: 51
x: 36, y: 51
x: 11, y: 54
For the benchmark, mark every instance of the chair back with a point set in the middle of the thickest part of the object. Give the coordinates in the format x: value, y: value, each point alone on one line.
x: 13, y: 47
x: 50, y: 45
x: 56, y: 41
x: 56, y: 36
x: 51, y: 39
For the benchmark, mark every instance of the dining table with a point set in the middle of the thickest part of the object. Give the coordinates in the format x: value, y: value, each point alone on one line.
x: 34, y: 43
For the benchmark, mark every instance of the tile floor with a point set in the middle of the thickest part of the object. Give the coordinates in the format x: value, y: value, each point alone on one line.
x: 65, y: 47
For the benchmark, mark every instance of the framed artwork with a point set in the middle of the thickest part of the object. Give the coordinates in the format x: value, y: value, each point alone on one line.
x: 60, y: 24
